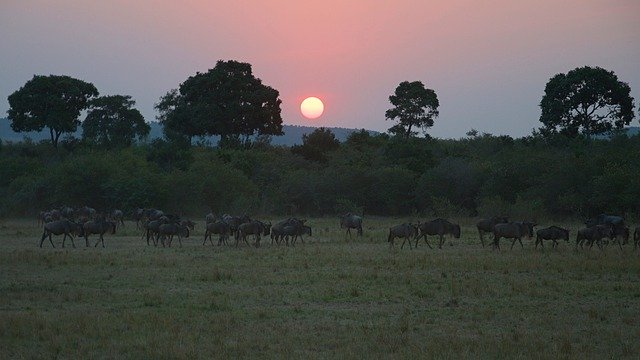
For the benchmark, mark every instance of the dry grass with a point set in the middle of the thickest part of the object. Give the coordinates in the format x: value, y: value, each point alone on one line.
x: 331, y: 296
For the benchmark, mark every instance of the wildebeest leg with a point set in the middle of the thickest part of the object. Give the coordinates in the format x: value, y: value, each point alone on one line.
x: 441, y: 241
x: 481, y: 236
x: 44, y: 235
x: 86, y: 239
x: 426, y: 240
x: 179, y: 239
x: 520, y: 241
x: 71, y: 237
x: 513, y: 242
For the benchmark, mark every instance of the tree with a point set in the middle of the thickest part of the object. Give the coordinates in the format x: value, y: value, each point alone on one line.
x: 414, y: 107
x: 50, y: 101
x: 113, y: 122
x: 316, y: 144
x: 226, y: 100
x: 585, y: 100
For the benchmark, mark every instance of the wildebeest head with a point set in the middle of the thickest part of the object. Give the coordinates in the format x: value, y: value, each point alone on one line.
x: 456, y: 231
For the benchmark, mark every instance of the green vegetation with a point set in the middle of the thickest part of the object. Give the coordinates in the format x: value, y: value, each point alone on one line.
x: 529, y: 178
x: 328, y: 297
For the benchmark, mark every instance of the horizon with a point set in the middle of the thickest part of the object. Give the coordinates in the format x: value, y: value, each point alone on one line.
x: 487, y: 64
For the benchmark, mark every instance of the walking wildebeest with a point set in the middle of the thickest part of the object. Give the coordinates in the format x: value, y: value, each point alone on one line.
x: 218, y: 227
x: 118, y: 217
x: 593, y: 234
x: 210, y: 217
x: 235, y: 222
x: 277, y: 230
x: 256, y: 228
x: 138, y: 216
x: 98, y: 227
x: 440, y: 227
x: 59, y: 227
x: 295, y: 231
x: 553, y: 233
x: 172, y: 229
x: 151, y: 228
x: 512, y: 230
x: 486, y: 225
x: 351, y: 221
x: 405, y: 231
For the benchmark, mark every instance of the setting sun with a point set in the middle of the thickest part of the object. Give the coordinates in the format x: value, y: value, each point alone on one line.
x: 312, y: 107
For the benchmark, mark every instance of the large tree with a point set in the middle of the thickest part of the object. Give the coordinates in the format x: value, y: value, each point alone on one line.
x: 112, y: 121
x: 226, y: 100
x: 414, y: 107
x: 53, y: 101
x: 585, y: 100
x: 317, y: 144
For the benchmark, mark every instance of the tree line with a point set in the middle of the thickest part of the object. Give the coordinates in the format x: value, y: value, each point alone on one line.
x: 560, y: 170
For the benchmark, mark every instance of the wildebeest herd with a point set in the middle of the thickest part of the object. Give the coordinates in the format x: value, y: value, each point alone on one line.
x: 160, y: 228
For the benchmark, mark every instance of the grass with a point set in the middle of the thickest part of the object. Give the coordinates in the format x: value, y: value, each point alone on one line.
x: 331, y: 296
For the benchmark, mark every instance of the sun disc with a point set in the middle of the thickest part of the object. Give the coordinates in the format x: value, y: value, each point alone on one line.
x: 312, y: 107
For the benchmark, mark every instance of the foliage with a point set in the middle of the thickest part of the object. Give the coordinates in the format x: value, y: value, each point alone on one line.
x: 113, y: 122
x: 414, y: 107
x: 316, y: 145
x: 227, y: 100
x: 585, y: 101
x: 53, y: 101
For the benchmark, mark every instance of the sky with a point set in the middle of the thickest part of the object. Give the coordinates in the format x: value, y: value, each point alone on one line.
x: 488, y: 61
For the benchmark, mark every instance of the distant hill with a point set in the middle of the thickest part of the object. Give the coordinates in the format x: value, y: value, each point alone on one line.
x: 292, y: 134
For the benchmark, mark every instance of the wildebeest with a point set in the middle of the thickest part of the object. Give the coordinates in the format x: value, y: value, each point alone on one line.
x: 210, y: 217
x: 188, y: 223
x: 351, y: 221
x: 486, y: 225
x: 235, y: 222
x: 440, y: 227
x: 153, y: 214
x: 553, y: 233
x: 277, y: 230
x: 217, y: 227
x: 295, y: 231
x: 86, y: 212
x: 512, y: 230
x: 67, y: 212
x: 98, y: 227
x: 59, y: 227
x: 406, y: 231
x: 603, y: 219
x: 118, y: 217
x: 256, y: 228
x: 151, y: 228
x: 172, y: 229
x: 593, y: 234
x: 138, y: 216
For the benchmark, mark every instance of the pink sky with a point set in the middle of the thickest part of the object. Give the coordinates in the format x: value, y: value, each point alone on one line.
x: 488, y: 61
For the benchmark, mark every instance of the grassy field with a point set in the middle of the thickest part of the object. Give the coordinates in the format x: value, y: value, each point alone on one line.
x: 328, y: 297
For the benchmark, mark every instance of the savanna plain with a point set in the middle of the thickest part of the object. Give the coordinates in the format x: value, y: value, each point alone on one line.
x: 329, y: 296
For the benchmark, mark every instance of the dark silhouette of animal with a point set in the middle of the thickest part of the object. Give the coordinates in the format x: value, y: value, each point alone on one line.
x: 486, y: 225
x: 439, y: 227
x: 603, y: 219
x: 210, y: 217
x: 235, y: 222
x: 405, y: 231
x: 553, y: 233
x: 118, y: 217
x: 621, y: 235
x: 512, y: 230
x: 351, y: 221
x: 295, y: 231
x: 55, y: 214
x: 153, y: 214
x: 59, y: 227
x: 168, y: 231
x: 151, y: 228
x: 277, y: 230
x: 86, y: 212
x: 98, y: 227
x: 256, y: 228
x: 218, y: 227
x: 67, y: 212
x: 188, y: 223
x: 138, y: 216
x: 593, y: 234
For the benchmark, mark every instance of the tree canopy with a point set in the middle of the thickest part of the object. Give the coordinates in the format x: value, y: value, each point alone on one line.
x: 585, y: 101
x: 316, y: 144
x: 113, y: 122
x: 53, y: 101
x: 227, y: 100
x: 414, y: 107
